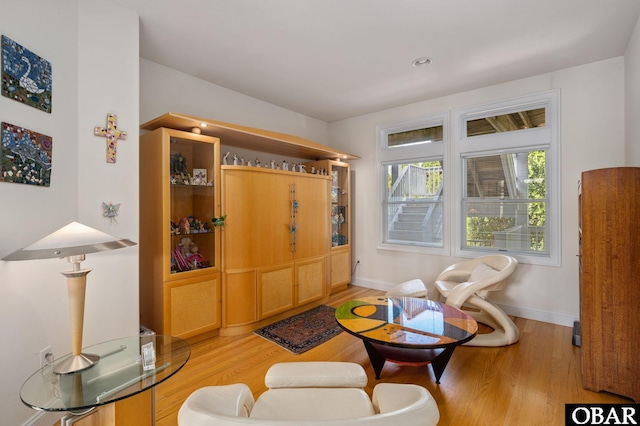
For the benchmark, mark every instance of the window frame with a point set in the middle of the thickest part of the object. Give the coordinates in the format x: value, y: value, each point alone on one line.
x: 545, y: 138
x: 438, y: 150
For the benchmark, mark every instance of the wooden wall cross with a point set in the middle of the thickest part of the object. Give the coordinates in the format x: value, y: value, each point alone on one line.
x: 112, y: 134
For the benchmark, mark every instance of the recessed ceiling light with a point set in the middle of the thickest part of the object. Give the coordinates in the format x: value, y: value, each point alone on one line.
x: 203, y: 124
x: 420, y: 62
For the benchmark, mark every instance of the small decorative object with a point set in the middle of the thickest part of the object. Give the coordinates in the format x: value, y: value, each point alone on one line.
x: 224, y: 159
x: 179, y: 260
x: 285, y: 165
x: 199, y: 177
x: 236, y: 160
x: 257, y: 162
x: 249, y: 163
x: 179, y: 169
x: 184, y: 226
x: 272, y: 164
x: 219, y: 221
x: 112, y: 134
x: 26, y: 77
x: 242, y: 162
x: 148, y: 356
x: 110, y: 211
x: 26, y: 156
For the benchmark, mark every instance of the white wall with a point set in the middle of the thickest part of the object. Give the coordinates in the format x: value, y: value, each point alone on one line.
x: 592, y: 117
x: 90, y: 44
x: 632, y: 104
x: 165, y: 90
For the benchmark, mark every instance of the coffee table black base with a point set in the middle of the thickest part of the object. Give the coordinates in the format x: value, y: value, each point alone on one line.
x: 379, y: 354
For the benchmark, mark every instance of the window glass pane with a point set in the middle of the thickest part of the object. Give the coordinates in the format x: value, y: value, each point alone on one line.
x: 414, y: 137
x: 507, y: 122
x: 518, y: 175
x: 414, y: 203
x: 505, y: 204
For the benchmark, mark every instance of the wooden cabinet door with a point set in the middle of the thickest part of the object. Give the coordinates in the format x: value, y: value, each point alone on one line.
x: 257, y: 205
x: 313, y: 233
x: 609, y: 289
x: 275, y: 290
x: 192, y: 306
x: 311, y: 279
x: 340, y: 266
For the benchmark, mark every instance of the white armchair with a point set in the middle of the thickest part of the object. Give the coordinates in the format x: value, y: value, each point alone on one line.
x: 468, y: 283
x: 311, y: 393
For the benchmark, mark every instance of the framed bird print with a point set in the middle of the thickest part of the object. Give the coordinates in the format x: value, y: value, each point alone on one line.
x: 26, y: 77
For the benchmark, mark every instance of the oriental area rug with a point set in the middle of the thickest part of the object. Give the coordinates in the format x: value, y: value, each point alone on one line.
x: 304, y: 331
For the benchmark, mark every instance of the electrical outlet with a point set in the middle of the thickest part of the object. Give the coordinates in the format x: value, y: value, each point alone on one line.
x: 44, y: 354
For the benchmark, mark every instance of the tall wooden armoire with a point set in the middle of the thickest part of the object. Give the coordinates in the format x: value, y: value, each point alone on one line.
x: 610, y: 280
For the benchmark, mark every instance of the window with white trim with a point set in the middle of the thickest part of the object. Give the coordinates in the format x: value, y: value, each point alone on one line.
x: 508, y: 179
x: 412, y: 158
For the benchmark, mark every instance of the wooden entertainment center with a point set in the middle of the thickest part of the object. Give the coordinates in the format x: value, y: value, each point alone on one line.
x: 280, y: 242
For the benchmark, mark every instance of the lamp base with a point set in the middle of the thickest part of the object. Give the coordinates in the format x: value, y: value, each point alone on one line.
x: 75, y: 363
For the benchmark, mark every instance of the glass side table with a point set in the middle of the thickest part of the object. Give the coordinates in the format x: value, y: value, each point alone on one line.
x: 119, y: 374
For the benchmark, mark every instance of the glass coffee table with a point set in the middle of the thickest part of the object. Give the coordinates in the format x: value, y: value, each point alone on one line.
x: 407, y: 330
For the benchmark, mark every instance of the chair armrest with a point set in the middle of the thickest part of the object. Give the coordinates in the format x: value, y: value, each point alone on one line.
x: 413, y: 403
x: 461, y: 293
x: 230, y: 400
x: 455, y: 275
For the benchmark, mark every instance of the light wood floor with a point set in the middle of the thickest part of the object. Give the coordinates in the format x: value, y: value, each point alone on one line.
x: 527, y: 383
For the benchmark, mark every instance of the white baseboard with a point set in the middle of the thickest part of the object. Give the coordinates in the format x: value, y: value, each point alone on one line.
x: 44, y: 418
x: 558, y: 318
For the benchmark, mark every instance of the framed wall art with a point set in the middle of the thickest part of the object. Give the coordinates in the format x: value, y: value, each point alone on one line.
x: 25, y: 156
x: 26, y: 77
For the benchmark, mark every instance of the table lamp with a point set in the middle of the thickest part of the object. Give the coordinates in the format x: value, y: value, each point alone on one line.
x: 73, y: 241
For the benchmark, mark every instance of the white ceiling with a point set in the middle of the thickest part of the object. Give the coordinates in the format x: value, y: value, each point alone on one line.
x: 335, y: 59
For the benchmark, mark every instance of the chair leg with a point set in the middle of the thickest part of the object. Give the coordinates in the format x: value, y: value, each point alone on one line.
x: 505, y: 331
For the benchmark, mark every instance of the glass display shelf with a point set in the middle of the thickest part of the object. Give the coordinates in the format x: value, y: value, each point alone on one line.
x: 339, y: 204
x: 192, y: 205
x: 117, y: 375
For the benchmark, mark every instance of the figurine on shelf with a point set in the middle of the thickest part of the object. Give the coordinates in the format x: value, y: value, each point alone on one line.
x: 236, y: 160
x: 184, y: 244
x: 179, y: 168
x: 224, y: 159
x: 190, y: 255
x: 285, y: 165
x: 272, y: 164
x: 249, y: 163
x: 184, y: 226
x: 257, y: 162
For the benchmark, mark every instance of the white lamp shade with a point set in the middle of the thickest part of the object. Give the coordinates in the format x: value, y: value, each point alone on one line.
x: 71, y: 240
